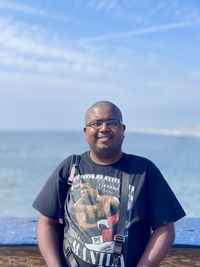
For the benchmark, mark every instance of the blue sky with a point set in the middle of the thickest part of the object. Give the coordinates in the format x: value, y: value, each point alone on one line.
x: 59, y: 57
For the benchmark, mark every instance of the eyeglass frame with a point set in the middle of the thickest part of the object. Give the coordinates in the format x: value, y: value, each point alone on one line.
x: 90, y: 124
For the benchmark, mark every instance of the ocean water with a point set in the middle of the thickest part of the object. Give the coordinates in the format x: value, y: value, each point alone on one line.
x: 28, y: 158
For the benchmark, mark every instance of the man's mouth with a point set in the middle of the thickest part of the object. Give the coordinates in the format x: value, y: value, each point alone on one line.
x: 104, y: 138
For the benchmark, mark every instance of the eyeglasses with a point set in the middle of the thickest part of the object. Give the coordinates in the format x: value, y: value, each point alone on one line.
x: 97, y: 124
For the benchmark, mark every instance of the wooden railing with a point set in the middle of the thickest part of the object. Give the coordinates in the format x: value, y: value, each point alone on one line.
x: 18, y: 244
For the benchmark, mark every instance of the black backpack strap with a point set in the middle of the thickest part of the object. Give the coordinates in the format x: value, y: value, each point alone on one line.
x: 119, y: 238
x: 73, y: 170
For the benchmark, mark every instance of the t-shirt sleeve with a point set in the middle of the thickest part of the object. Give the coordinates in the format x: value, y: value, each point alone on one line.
x: 163, y: 204
x: 50, y: 199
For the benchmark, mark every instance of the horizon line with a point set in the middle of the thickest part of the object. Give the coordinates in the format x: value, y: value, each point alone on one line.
x: 186, y: 131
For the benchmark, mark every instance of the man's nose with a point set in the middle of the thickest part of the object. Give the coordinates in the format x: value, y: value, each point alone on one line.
x: 104, y: 126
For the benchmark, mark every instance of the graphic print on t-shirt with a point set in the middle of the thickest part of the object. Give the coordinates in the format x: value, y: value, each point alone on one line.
x: 94, y: 211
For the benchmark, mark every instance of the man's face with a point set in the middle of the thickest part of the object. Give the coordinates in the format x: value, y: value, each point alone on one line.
x: 105, y: 140
x: 89, y: 194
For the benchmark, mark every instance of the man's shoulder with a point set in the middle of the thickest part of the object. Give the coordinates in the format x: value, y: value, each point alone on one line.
x: 136, y: 158
x: 137, y: 163
x: 71, y: 159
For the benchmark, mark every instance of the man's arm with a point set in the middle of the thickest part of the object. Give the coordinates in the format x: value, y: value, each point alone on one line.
x: 158, y: 246
x: 48, y: 240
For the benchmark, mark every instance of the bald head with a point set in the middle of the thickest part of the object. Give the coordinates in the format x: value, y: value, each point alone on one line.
x: 104, y: 105
x: 104, y: 132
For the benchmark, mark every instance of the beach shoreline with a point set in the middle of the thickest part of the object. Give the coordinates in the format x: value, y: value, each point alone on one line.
x: 187, y: 131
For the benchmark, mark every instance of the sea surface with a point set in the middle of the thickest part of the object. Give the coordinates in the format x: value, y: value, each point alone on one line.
x: 28, y: 158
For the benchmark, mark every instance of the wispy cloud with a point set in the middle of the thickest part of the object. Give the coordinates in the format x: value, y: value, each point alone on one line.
x: 22, y: 8
x: 25, y: 49
x: 100, y: 5
x: 144, y: 13
x: 41, y: 60
x: 142, y: 31
x: 30, y: 10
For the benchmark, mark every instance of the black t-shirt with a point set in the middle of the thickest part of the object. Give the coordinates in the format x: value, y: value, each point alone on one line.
x: 93, y: 206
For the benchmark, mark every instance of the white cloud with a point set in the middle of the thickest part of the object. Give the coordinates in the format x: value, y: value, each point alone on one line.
x: 27, y: 48
x: 30, y: 10
x: 10, y: 5
x: 21, y: 51
x: 44, y: 68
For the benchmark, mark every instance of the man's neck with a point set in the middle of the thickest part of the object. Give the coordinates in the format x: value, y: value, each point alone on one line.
x: 105, y: 160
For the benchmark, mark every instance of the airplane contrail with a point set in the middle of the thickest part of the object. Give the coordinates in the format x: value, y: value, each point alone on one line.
x: 147, y: 30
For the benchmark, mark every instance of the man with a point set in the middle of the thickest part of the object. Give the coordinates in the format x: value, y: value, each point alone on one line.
x: 93, y: 209
x: 92, y: 206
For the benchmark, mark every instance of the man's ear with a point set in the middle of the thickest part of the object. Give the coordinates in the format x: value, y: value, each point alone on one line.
x: 84, y: 129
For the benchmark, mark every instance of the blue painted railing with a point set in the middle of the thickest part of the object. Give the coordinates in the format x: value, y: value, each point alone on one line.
x: 18, y: 231
x: 22, y: 232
